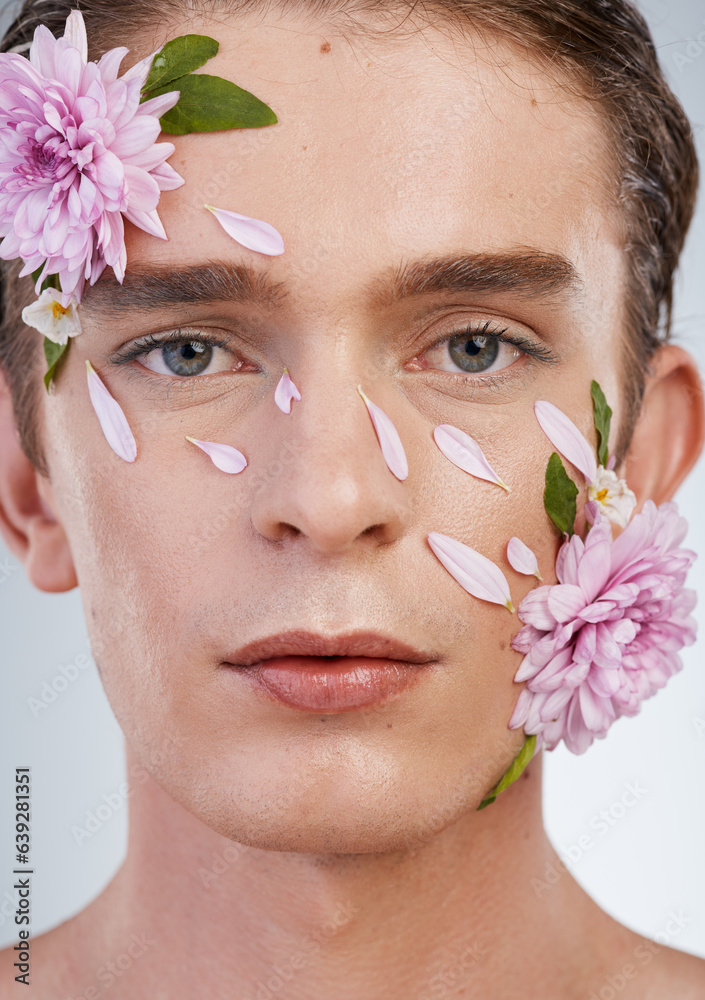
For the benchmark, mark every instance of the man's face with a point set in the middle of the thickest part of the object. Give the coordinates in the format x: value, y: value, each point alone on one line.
x: 388, y: 152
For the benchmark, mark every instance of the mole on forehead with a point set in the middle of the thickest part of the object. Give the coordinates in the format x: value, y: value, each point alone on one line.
x: 527, y: 272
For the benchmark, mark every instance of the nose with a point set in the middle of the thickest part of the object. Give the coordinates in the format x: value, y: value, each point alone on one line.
x: 328, y: 480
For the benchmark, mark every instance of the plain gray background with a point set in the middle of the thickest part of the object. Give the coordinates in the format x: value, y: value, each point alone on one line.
x: 628, y: 817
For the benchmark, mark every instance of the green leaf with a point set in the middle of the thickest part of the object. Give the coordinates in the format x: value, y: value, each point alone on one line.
x: 559, y: 495
x: 510, y: 776
x: 54, y: 354
x: 209, y: 104
x: 603, y: 416
x: 179, y: 57
x: 51, y: 282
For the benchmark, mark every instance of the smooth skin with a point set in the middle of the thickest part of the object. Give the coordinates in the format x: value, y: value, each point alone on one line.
x: 348, y: 857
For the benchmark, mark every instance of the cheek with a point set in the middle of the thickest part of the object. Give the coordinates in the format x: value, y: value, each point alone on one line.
x: 482, y: 514
x: 128, y: 526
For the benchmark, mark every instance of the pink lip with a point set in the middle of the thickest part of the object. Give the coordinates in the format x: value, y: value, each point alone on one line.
x: 317, y: 673
x: 318, y: 684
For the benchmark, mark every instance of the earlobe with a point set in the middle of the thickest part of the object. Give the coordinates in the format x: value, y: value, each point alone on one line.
x: 670, y: 432
x: 27, y: 523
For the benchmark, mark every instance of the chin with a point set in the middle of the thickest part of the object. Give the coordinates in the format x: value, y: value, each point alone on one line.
x: 375, y: 832
x: 330, y: 813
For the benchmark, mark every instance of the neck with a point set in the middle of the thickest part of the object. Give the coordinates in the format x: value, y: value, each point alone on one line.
x: 466, y: 907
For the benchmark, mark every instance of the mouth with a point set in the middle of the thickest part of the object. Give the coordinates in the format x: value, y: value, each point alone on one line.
x: 331, y: 674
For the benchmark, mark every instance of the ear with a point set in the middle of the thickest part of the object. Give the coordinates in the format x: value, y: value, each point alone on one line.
x: 27, y: 521
x: 669, y: 434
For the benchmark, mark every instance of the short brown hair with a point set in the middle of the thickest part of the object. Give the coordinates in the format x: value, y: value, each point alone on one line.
x: 604, y: 46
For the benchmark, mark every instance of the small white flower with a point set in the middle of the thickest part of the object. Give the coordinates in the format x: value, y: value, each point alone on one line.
x: 616, y: 500
x: 50, y: 317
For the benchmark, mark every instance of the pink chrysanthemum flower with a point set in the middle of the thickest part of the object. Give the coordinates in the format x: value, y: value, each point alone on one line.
x: 607, y: 635
x: 77, y: 153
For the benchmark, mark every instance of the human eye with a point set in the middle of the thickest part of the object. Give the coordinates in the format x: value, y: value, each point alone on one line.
x: 183, y: 353
x: 480, y: 349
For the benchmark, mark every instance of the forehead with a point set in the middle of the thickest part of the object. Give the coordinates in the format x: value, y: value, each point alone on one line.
x: 390, y: 145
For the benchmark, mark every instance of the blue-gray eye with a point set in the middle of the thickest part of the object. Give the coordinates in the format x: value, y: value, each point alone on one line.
x: 187, y: 359
x: 472, y: 353
x: 183, y: 357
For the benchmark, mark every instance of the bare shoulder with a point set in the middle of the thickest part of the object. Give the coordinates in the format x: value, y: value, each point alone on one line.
x: 46, y: 966
x: 62, y: 960
x: 12, y: 979
x: 641, y: 969
x: 618, y: 963
x: 673, y: 974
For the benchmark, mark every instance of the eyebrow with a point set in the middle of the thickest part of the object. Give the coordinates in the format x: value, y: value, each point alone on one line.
x: 532, y: 272
x: 528, y: 271
x: 155, y: 288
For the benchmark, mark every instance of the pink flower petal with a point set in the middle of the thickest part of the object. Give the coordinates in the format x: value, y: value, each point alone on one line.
x: 70, y: 68
x: 522, y: 559
x: 558, y: 688
x: 285, y: 392
x: 165, y: 176
x: 603, y: 683
x: 139, y: 133
x: 389, y: 440
x: 223, y: 456
x: 464, y: 451
x: 251, y: 233
x: 521, y: 709
x: 624, y: 631
x: 584, y: 650
x: 109, y: 64
x: 534, y: 609
x: 600, y: 611
x: 140, y: 71
x: 568, y: 557
x: 591, y: 708
x: 143, y: 190
x: 41, y: 53
x: 111, y: 418
x: 566, y: 438
x: 525, y: 638
x: 148, y: 221
x: 75, y: 33
x: 594, y: 568
x: 565, y: 601
x: 527, y: 669
x: 152, y: 159
x: 159, y: 106
x: 607, y: 652
x: 475, y: 573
